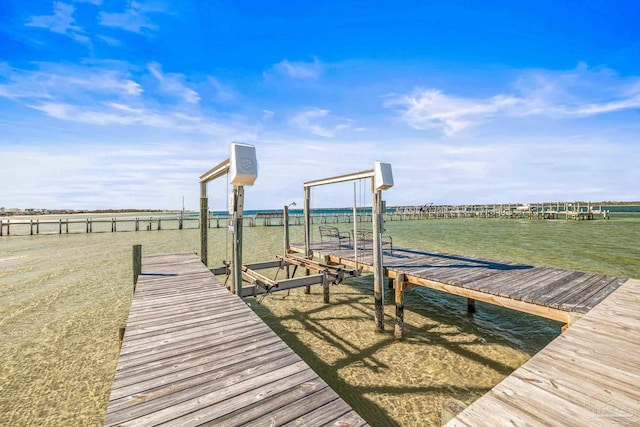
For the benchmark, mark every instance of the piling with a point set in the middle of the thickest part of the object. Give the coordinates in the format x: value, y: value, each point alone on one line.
x: 399, y: 291
x: 137, y: 264
x: 451, y: 408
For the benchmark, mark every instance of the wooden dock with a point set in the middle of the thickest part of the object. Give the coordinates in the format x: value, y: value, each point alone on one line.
x: 193, y: 354
x: 588, y: 376
x: 553, y: 293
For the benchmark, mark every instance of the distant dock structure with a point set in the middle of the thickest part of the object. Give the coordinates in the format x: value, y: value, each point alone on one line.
x: 69, y: 225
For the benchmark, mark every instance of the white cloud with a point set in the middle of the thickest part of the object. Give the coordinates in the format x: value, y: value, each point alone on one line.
x: 173, y: 84
x: 300, y: 70
x: 319, y: 122
x: 61, y: 22
x: 105, y: 94
x: 52, y: 81
x: 110, y: 113
x: 431, y: 109
x: 576, y: 93
x: 134, y: 18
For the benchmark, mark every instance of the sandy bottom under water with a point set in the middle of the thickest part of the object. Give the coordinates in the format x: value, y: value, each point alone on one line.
x: 389, y: 382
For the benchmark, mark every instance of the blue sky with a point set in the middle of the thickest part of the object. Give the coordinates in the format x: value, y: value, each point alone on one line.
x: 114, y: 104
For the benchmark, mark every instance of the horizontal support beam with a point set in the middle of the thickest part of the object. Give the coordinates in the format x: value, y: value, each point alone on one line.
x: 255, y: 278
x: 279, y: 263
x: 297, y: 282
x: 341, y: 178
x: 283, y: 285
x: 333, y: 270
x: 221, y: 270
x: 216, y: 172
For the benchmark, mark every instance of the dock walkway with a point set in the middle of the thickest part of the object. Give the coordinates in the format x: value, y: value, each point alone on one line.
x: 193, y: 354
x: 588, y: 376
x: 553, y: 293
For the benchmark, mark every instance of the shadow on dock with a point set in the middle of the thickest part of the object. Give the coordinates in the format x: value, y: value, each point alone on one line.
x: 373, y: 372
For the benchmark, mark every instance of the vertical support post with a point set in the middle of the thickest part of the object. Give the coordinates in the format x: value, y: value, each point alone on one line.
x: 307, y: 230
x: 60, y: 226
x: 137, y: 264
x: 355, y: 227
x: 38, y: 226
x: 159, y: 222
x: 325, y: 287
x: 121, y: 332
x: 204, y: 219
x: 238, y: 204
x: 286, y: 236
x: 378, y: 273
x: 1, y: 226
x: 450, y: 409
x: 31, y: 226
x: 399, y: 288
x: 471, y: 305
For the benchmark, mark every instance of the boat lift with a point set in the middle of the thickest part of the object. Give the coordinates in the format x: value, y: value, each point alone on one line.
x: 242, y: 168
x: 381, y: 179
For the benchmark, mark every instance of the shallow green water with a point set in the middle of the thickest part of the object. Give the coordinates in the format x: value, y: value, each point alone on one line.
x: 63, y: 298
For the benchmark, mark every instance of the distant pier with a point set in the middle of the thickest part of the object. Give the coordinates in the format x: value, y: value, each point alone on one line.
x: 541, y: 211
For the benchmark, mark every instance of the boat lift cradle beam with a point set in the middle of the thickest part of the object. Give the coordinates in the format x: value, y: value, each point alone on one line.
x: 326, y: 274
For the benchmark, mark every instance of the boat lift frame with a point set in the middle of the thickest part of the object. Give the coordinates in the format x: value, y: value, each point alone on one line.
x: 381, y: 179
x: 243, y: 168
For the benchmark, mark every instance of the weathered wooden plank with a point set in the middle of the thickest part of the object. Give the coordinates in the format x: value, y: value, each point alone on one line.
x: 225, y: 347
x: 273, y: 415
x: 543, y: 285
x: 203, y: 397
x: 586, y: 376
x: 555, y: 287
x: 183, y: 322
x: 523, y: 281
x: 323, y: 415
x: 575, y: 298
x: 592, y: 300
x: 195, y: 364
x: 149, y: 396
x: 176, y: 337
x: 276, y: 403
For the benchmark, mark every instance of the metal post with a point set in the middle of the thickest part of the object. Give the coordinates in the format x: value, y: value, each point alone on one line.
x: 307, y: 230
x: 204, y: 219
x: 286, y: 236
x: 307, y: 220
x: 355, y: 227
x: 378, y: 273
x: 238, y: 204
